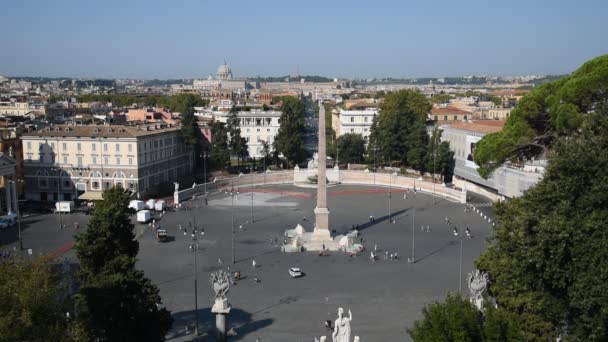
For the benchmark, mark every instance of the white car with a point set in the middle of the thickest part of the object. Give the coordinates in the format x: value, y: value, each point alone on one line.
x: 295, y: 272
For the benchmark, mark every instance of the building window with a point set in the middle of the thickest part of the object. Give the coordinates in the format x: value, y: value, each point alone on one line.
x: 94, y: 147
x: 465, y: 118
x: 105, y: 147
x: 455, y: 117
x: 65, y: 159
x: 29, y: 145
x: 117, y: 147
x: 65, y: 146
x: 436, y: 118
x: 352, y: 119
x: 130, y: 161
x: 79, y: 146
x: 365, y: 119
x: 117, y: 161
x: 445, y: 118
x: 94, y: 160
x: 130, y: 147
x: 42, y: 183
x: 105, y: 160
x: 52, y: 146
x: 79, y: 161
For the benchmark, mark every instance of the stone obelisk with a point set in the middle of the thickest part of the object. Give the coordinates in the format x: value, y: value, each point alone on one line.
x: 321, y: 212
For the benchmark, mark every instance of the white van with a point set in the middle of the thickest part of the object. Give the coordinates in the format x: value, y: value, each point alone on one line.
x: 143, y: 216
x: 137, y: 205
x: 64, y: 206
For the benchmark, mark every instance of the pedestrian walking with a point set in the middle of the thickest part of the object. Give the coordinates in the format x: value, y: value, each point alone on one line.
x: 180, y: 227
x: 422, y: 228
x: 76, y: 225
x: 371, y: 218
x: 253, y: 263
x: 428, y: 229
x: 375, y: 247
x: 386, y: 255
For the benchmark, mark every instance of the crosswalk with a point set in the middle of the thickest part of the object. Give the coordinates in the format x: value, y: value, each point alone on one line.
x: 482, y: 205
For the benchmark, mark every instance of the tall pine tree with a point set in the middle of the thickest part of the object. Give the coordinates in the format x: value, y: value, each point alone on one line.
x: 116, y: 301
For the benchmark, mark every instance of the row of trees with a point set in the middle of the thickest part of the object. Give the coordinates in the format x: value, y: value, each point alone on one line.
x: 114, y: 302
x: 547, y: 257
x: 399, y: 135
x: 290, y: 138
x: 176, y: 103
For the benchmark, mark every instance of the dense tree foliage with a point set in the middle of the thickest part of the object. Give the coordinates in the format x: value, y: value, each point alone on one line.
x: 238, y: 144
x: 439, y: 158
x: 290, y: 138
x: 457, y: 320
x: 176, y: 103
x: 398, y: 133
x: 190, y: 132
x: 551, y: 110
x: 31, y: 302
x: 548, y: 257
x: 116, y: 301
x: 220, y: 152
x: 351, y: 148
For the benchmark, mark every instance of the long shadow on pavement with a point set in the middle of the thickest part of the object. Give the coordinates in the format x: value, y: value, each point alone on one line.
x: 242, y: 321
x: 437, y: 250
x: 380, y: 219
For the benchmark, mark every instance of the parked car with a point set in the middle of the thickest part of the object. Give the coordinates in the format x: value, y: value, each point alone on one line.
x: 295, y: 272
x: 4, y: 224
x: 161, y: 235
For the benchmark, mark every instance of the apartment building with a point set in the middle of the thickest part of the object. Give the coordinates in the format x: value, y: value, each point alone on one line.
x: 354, y: 121
x: 69, y: 162
x: 257, y: 126
x: 507, y: 181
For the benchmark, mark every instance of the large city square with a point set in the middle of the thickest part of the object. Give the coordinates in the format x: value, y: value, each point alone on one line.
x: 385, y: 296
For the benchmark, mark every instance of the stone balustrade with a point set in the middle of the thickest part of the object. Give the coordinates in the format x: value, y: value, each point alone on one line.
x: 345, y: 177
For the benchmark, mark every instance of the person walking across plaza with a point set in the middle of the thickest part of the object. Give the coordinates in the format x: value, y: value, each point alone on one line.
x: 253, y: 264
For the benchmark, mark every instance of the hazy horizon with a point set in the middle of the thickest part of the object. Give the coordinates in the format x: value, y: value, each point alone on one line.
x: 344, y: 39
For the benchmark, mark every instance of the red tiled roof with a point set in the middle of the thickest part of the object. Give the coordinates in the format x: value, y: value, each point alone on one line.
x: 449, y: 111
x: 480, y: 126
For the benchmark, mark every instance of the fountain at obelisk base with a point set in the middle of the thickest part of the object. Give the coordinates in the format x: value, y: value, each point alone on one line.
x: 320, y: 238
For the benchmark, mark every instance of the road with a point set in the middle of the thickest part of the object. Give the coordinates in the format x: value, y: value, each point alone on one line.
x: 311, y: 138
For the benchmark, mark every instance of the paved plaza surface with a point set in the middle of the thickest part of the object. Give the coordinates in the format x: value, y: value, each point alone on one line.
x: 385, y: 296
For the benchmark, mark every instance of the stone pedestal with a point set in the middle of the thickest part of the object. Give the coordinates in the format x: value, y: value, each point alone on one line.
x: 221, y: 309
x: 322, y: 221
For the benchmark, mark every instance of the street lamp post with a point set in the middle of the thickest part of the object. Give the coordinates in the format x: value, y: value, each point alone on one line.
x: 205, y: 155
x: 390, y: 185
x: 18, y: 216
x: 413, y: 258
x: 195, y: 251
x: 232, y: 194
x: 460, y: 261
x: 58, y: 170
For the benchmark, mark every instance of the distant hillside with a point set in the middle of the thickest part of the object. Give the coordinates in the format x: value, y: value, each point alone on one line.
x: 308, y: 78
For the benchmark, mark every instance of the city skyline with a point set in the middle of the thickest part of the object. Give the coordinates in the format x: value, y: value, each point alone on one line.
x: 155, y: 40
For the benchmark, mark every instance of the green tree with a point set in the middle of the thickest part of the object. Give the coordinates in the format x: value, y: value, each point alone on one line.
x: 289, y: 139
x: 351, y: 147
x: 441, y: 98
x: 238, y: 144
x: 191, y: 134
x: 32, y: 302
x: 116, y: 302
x: 457, y: 320
x: 439, y: 158
x: 396, y: 133
x: 551, y: 110
x: 547, y: 259
x: 220, y: 153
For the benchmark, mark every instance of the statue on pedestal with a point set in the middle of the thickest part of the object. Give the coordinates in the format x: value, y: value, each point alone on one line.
x: 342, y: 327
x: 314, y: 162
x: 478, y: 282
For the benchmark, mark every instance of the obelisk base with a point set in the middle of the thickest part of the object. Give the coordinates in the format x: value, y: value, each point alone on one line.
x: 321, y: 231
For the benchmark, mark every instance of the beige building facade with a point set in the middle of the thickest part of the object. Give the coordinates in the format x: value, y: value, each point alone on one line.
x: 70, y: 162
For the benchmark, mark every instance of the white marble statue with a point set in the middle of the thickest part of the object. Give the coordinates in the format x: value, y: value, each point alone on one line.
x: 221, y: 283
x: 478, y: 282
x: 342, y: 327
x: 314, y: 162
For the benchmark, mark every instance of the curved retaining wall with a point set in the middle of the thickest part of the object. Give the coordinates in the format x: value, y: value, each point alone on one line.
x: 345, y: 177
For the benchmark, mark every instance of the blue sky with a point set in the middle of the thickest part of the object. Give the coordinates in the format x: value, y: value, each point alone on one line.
x: 190, y: 38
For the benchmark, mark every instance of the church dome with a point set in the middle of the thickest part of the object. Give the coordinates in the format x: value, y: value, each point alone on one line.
x: 224, y: 72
